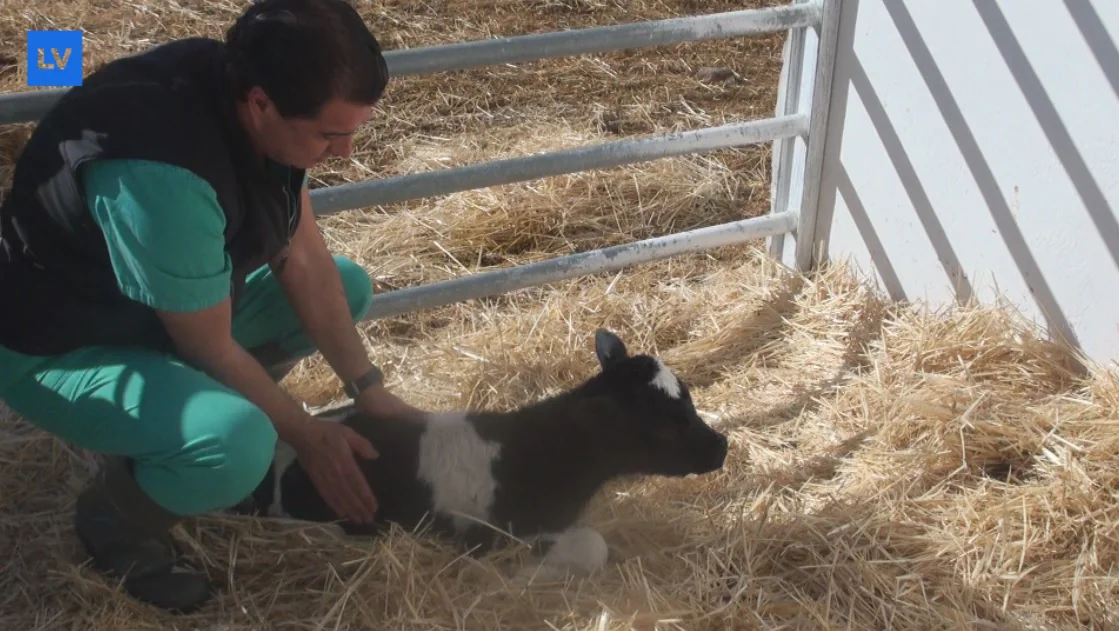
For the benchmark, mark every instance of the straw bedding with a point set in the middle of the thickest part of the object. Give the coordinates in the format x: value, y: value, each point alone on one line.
x: 890, y: 467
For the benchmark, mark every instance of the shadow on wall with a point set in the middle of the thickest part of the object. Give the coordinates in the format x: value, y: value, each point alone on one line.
x: 850, y: 74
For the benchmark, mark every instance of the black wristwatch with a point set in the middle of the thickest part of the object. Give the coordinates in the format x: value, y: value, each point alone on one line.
x: 372, y: 378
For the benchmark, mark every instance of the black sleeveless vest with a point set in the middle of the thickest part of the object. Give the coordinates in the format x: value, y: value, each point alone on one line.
x: 171, y: 104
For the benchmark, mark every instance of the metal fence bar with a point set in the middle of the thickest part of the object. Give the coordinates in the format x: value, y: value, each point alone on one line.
x: 610, y: 259
x: 602, y: 39
x: 21, y: 107
x: 366, y: 193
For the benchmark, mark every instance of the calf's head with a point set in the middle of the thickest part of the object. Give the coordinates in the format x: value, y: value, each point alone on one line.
x: 654, y: 425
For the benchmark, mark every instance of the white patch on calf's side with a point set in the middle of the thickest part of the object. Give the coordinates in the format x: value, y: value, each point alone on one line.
x: 665, y: 380
x: 456, y: 463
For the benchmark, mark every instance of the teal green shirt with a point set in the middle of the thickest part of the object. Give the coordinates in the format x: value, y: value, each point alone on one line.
x: 165, y: 234
x: 164, y: 229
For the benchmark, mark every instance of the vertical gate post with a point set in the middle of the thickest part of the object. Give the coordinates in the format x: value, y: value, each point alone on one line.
x: 810, y: 248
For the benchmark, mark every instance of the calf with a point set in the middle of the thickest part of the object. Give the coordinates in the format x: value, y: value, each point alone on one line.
x: 528, y: 472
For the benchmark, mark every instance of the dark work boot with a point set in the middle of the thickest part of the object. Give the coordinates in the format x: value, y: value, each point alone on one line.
x: 127, y: 534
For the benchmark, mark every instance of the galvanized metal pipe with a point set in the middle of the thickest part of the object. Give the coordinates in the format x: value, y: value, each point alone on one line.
x: 503, y: 281
x: 21, y: 107
x: 602, y: 39
x: 493, y: 173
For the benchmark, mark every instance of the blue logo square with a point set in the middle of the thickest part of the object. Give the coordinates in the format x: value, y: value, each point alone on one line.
x: 54, y: 58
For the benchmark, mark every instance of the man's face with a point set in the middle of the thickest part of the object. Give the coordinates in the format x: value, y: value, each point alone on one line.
x: 303, y: 143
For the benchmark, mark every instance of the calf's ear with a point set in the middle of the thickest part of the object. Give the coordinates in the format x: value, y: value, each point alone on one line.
x: 609, y: 348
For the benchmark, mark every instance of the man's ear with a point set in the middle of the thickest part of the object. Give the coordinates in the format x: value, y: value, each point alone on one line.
x: 609, y: 348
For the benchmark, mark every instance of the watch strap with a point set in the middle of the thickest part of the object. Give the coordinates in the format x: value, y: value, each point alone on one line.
x: 371, y: 378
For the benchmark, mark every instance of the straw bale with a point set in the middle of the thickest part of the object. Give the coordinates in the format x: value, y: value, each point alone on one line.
x: 890, y: 467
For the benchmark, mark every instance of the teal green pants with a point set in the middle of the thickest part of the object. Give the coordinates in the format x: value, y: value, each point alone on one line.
x: 198, y: 446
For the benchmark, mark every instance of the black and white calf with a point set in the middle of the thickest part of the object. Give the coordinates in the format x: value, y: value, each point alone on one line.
x: 529, y: 472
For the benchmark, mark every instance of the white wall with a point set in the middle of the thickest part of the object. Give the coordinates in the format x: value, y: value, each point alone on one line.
x: 980, y: 136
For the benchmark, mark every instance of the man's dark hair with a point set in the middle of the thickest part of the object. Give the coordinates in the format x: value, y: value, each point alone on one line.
x: 303, y: 53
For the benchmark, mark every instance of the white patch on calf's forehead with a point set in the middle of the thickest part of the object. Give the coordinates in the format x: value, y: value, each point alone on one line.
x: 665, y: 380
x: 456, y: 463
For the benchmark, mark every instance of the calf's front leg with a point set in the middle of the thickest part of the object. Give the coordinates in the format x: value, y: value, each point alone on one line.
x: 578, y: 551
